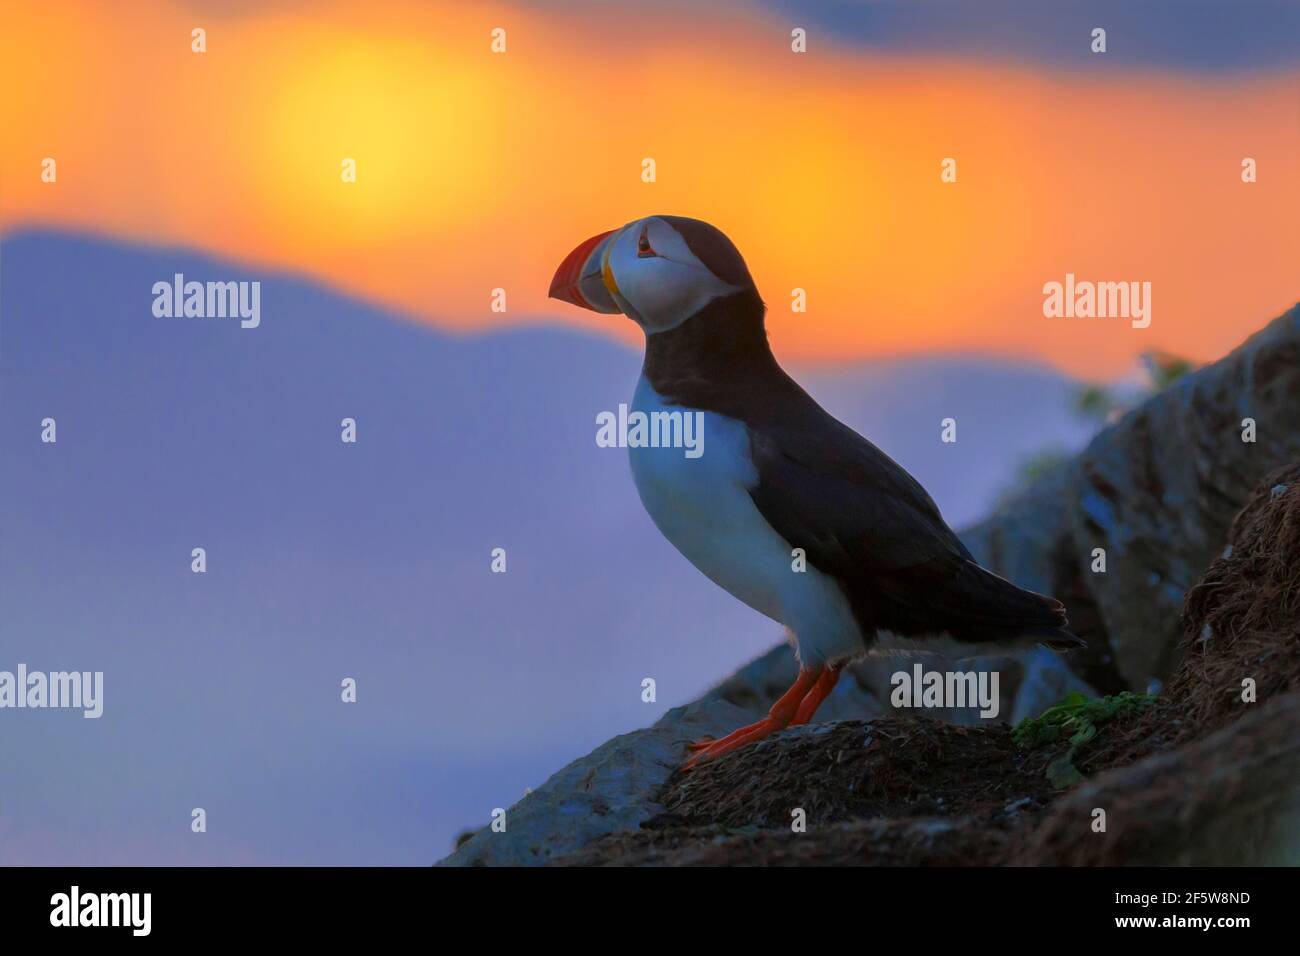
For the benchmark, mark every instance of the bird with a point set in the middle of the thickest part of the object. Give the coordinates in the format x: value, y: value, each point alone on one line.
x: 780, y: 477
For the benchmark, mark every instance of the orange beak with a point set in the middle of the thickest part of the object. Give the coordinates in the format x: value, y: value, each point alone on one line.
x: 579, y: 278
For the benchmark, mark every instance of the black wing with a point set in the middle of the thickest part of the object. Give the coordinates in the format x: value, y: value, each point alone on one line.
x: 862, y: 518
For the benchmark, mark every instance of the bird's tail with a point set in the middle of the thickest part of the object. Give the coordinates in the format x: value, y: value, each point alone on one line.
x: 1057, y: 638
x: 977, y: 606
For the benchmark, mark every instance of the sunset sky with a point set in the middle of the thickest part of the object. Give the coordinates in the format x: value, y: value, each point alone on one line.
x: 478, y: 170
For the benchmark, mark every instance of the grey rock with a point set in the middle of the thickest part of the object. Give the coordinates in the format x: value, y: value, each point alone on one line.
x: 613, y: 788
x: 1159, y: 489
x: 610, y: 789
x: 1156, y: 491
x: 1046, y: 680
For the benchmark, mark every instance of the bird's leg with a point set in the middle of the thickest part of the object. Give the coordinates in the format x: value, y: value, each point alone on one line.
x: 782, y: 712
x: 807, y: 707
x: 820, y: 691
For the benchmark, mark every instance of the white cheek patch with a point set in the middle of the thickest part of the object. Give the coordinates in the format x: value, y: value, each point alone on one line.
x: 661, y: 291
x: 629, y: 310
x: 623, y: 267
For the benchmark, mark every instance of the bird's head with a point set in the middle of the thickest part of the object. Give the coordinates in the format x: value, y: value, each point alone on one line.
x: 659, y: 271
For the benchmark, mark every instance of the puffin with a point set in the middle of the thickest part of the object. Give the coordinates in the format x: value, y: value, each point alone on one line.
x: 787, y: 509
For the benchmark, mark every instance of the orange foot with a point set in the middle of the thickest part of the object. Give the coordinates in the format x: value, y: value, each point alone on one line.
x: 820, y: 691
x: 796, y: 706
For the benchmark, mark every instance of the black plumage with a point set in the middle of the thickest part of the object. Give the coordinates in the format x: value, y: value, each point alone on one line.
x: 858, y: 515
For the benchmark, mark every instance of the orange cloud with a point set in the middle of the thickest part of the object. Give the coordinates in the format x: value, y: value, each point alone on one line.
x: 477, y: 171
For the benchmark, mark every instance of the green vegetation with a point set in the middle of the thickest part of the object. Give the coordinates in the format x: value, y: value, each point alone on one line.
x: 1074, y: 720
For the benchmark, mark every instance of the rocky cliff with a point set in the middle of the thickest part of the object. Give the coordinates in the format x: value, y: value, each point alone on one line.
x: 1206, y: 772
x: 1155, y: 493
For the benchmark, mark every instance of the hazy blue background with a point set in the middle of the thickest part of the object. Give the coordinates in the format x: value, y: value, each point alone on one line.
x: 371, y: 560
x: 1197, y: 35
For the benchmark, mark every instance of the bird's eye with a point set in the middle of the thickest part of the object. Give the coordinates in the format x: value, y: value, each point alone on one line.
x: 643, y: 249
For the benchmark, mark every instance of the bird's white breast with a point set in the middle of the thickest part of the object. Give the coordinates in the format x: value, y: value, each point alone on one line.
x: 702, y: 505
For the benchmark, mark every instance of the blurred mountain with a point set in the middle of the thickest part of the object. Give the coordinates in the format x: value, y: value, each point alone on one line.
x: 370, y: 560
